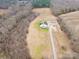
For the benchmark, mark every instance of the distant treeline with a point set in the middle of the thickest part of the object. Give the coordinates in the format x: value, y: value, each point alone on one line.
x: 36, y: 3
x: 5, y: 3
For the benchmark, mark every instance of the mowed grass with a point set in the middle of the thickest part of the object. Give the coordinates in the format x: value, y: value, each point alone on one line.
x: 2, y: 55
x: 39, y: 50
x: 40, y: 44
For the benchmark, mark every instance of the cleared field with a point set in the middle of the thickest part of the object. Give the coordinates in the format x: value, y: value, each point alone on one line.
x: 39, y: 39
x: 70, y: 24
x: 45, y: 11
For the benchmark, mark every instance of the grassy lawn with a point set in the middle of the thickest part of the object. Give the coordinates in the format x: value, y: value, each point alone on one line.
x: 2, y: 55
x: 40, y: 44
x: 37, y: 26
x: 38, y: 38
x: 39, y: 50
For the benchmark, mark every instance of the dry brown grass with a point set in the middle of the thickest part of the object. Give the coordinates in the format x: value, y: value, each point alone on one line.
x: 39, y: 41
